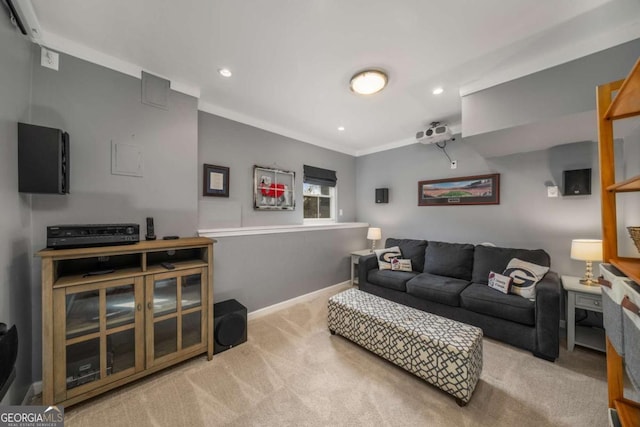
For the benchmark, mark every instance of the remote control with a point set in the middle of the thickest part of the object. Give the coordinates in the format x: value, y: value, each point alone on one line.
x: 170, y: 237
x: 98, y: 273
x: 168, y: 265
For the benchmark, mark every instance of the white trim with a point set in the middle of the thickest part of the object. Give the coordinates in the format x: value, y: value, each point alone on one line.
x: 33, y: 390
x: 297, y: 300
x: 275, y: 229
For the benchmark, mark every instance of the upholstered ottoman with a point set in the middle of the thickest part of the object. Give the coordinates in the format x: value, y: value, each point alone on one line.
x: 443, y: 352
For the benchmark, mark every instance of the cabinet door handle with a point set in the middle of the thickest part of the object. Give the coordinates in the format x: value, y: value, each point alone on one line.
x: 149, y: 306
x: 139, y: 307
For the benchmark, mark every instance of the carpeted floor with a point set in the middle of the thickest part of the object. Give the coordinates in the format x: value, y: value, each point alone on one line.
x: 292, y: 372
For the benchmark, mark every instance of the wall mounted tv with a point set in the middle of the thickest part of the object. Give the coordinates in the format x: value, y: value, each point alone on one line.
x: 43, y: 160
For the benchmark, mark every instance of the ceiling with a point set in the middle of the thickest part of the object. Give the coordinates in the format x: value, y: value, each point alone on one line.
x: 292, y: 60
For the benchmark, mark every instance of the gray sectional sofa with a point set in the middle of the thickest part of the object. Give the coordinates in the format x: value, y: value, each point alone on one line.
x: 450, y: 280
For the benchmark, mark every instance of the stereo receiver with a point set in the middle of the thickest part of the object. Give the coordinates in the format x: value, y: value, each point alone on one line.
x: 87, y: 235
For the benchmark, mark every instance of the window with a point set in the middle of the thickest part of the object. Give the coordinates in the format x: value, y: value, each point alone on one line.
x: 319, y: 193
x: 319, y: 201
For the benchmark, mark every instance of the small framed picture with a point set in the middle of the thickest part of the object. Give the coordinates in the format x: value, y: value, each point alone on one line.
x: 215, y: 181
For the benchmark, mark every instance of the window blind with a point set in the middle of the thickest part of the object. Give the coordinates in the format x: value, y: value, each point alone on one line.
x: 319, y: 176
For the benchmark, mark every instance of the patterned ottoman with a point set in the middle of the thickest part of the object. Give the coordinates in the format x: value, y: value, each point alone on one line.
x: 445, y: 353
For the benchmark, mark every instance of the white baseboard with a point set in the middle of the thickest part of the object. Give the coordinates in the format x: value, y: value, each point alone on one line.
x: 293, y: 301
x: 33, y: 390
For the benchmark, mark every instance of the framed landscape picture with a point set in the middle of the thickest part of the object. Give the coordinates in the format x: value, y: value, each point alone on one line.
x: 466, y: 190
x: 274, y: 189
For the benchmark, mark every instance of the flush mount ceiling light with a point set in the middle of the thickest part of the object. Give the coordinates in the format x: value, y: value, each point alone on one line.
x: 224, y: 72
x: 341, y: 128
x: 438, y: 91
x: 368, y: 82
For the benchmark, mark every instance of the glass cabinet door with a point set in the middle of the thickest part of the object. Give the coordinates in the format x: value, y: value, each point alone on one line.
x: 103, y: 325
x: 175, y: 299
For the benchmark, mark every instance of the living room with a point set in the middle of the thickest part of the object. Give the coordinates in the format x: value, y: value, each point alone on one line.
x: 529, y: 129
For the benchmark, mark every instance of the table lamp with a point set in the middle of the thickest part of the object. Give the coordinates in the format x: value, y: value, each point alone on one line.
x: 587, y: 250
x: 374, y: 234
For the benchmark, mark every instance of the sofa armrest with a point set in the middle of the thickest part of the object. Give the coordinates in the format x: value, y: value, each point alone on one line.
x: 548, y: 310
x: 366, y: 264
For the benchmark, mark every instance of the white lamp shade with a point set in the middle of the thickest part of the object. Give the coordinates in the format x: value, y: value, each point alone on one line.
x: 374, y: 233
x: 586, y: 249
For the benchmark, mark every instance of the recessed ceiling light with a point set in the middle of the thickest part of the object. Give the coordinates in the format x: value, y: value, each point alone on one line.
x: 341, y: 128
x: 438, y: 91
x: 224, y: 72
x: 368, y: 82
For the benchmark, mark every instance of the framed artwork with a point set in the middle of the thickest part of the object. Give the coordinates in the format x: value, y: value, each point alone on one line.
x: 273, y: 189
x: 215, y: 181
x: 466, y: 190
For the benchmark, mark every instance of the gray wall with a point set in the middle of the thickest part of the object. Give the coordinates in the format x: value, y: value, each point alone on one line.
x: 224, y: 142
x: 525, y: 217
x: 262, y: 270
x: 563, y: 90
x: 97, y: 105
x: 628, y: 204
x: 15, y: 289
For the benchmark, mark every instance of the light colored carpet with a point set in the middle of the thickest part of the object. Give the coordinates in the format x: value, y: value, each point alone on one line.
x: 292, y: 372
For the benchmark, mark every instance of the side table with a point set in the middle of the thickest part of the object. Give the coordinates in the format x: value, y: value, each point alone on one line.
x: 587, y: 298
x: 355, y: 260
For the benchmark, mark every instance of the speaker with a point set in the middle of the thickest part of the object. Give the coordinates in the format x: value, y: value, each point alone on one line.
x: 229, y: 325
x: 382, y: 195
x: 577, y: 182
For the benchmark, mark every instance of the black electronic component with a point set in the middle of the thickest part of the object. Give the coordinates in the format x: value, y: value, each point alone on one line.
x: 99, y: 272
x: 87, y: 235
x: 151, y: 234
x: 43, y: 160
x: 170, y: 237
x: 230, y: 325
x: 168, y: 265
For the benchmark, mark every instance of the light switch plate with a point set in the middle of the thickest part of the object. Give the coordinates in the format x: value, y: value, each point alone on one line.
x: 49, y: 58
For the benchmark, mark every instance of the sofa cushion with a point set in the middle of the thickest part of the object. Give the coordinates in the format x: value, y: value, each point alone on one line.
x: 396, y: 280
x: 441, y: 289
x: 411, y: 249
x: 525, y: 276
x: 488, y: 258
x: 449, y: 259
x: 385, y: 256
x: 480, y: 298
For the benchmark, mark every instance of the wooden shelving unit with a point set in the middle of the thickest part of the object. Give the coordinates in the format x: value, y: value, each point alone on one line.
x: 626, y: 103
x: 103, y: 331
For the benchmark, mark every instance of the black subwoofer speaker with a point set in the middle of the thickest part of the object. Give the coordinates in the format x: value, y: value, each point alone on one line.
x: 577, y: 182
x: 229, y: 325
x: 382, y: 195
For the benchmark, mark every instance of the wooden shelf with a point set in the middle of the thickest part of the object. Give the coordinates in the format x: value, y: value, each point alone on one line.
x: 81, y: 279
x: 631, y: 184
x: 629, y: 266
x: 627, y: 100
x: 179, y: 265
x: 628, y: 412
x: 145, y: 246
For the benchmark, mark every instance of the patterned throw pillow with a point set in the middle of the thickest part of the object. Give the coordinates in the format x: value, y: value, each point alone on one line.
x: 386, y: 255
x: 499, y: 282
x: 525, y: 276
x: 398, y: 264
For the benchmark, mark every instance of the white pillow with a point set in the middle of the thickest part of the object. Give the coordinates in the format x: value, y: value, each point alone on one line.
x: 499, y: 282
x: 398, y: 264
x: 525, y: 276
x: 386, y: 255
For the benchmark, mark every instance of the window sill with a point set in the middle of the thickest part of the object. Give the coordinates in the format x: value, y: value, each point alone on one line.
x: 275, y: 229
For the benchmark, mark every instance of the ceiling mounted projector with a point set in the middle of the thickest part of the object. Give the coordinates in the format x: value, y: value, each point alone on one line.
x: 434, y: 134
x: 24, y: 18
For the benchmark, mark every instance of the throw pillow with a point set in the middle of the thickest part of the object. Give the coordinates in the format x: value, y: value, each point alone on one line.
x: 386, y: 255
x: 398, y: 264
x: 525, y: 276
x: 499, y: 282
